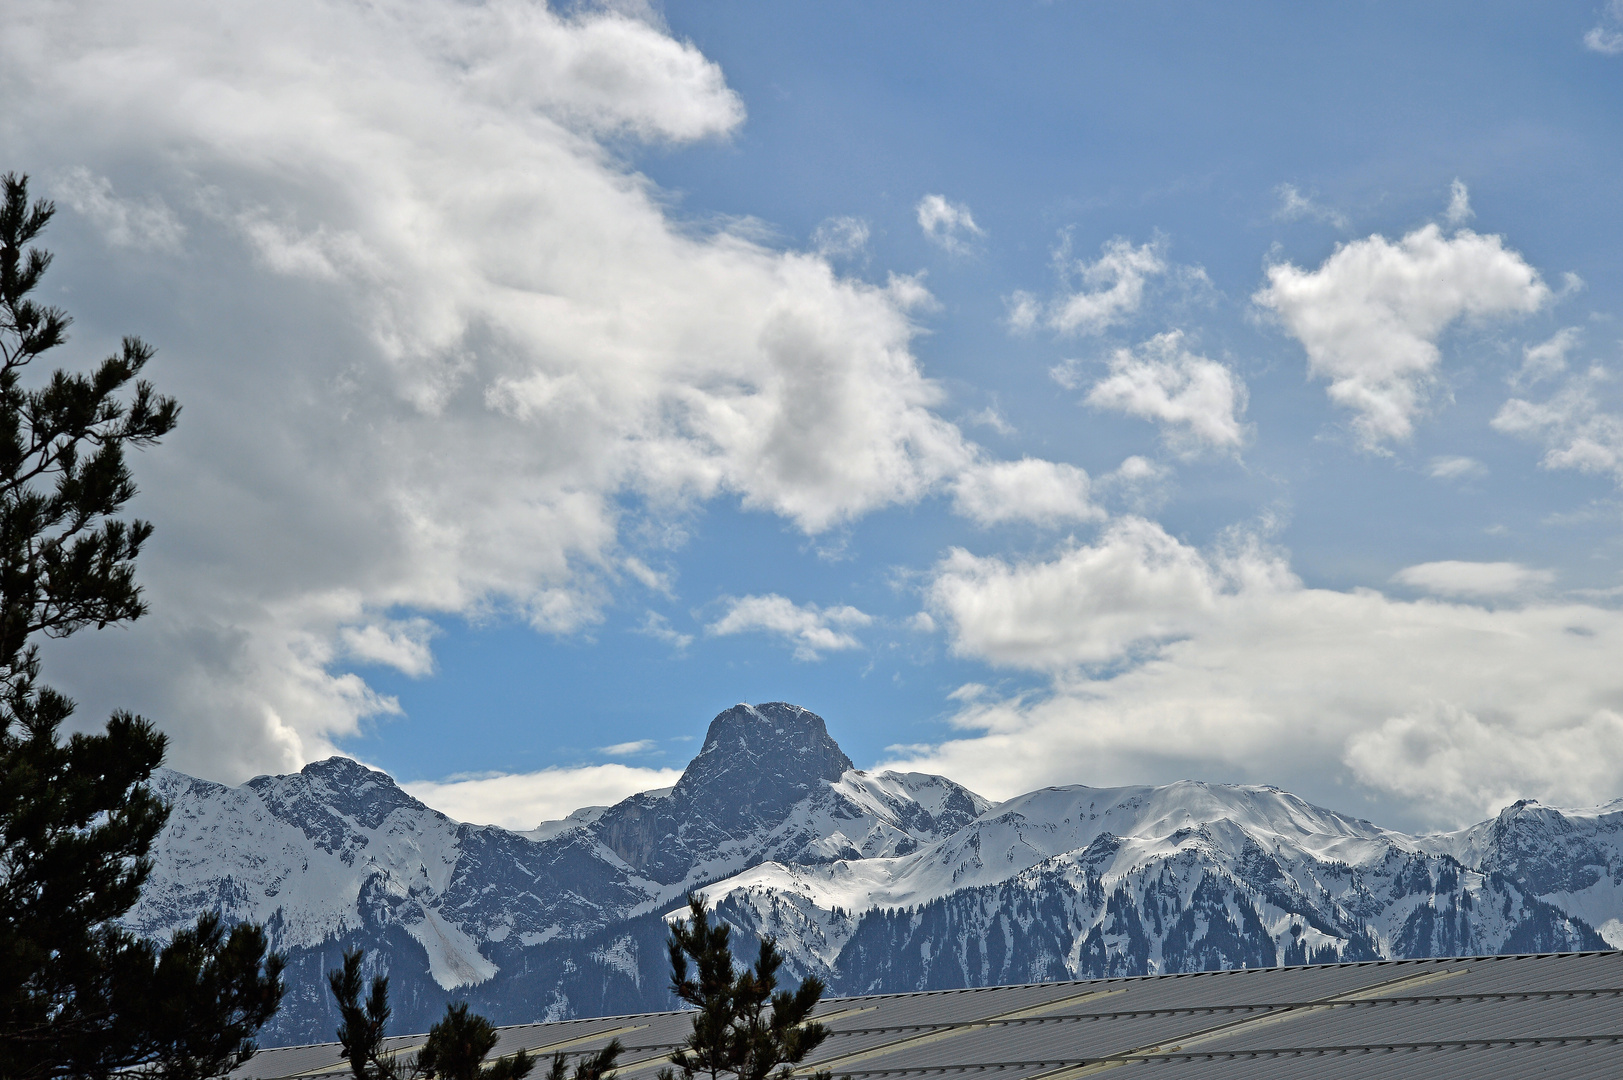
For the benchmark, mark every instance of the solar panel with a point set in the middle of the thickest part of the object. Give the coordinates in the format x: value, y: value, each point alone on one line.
x: 1477, y: 1017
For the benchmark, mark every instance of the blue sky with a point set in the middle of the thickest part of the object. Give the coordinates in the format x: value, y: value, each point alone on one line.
x: 1042, y: 393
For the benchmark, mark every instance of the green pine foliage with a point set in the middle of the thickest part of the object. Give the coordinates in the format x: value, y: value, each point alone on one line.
x: 456, y: 1047
x: 743, y: 1025
x: 79, y: 996
x: 360, y: 1031
x: 598, y: 1066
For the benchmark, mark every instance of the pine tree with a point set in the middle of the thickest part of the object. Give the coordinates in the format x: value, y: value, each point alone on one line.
x: 79, y: 996
x: 360, y: 1031
x: 743, y: 1024
x: 456, y: 1047
x: 598, y: 1066
x: 709, y: 1046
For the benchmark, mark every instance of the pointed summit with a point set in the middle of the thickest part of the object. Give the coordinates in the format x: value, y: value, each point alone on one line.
x: 758, y: 760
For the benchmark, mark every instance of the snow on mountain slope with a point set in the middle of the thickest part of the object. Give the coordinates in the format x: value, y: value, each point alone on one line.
x: 1570, y: 857
x: 313, y: 854
x: 876, y: 882
x: 1028, y: 829
x: 338, y: 849
x: 1299, y: 879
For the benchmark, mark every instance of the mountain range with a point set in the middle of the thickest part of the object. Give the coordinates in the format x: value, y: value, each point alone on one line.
x: 876, y: 882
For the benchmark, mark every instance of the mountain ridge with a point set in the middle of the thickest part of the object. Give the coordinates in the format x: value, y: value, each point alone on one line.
x: 873, y: 881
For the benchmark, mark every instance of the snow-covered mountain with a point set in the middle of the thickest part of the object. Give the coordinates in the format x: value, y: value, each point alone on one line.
x: 337, y: 856
x: 876, y: 882
x: 1079, y: 882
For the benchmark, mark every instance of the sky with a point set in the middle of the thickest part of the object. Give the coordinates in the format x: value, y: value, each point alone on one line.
x: 1042, y: 393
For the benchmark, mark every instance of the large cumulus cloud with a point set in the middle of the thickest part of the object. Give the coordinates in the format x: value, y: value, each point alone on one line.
x: 1371, y: 315
x: 433, y: 337
x: 1160, y: 660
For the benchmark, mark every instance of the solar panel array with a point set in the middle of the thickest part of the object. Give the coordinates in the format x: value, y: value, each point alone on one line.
x: 1477, y: 1017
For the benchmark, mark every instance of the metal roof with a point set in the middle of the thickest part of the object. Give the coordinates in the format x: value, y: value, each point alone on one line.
x: 1558, y: 1015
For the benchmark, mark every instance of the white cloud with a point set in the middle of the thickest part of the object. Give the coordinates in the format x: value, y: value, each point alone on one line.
x: 1459, y: 204
x: 1371, y: 315
x: 1472, y: 579
x: 1577, y: 431
x: 148, y: 224
x: 1138, y: 470
x: 649, y: 577
x: 1547, y: 359
x: 841, y: 237
x: 1068, y: 373
x: 1294, y: 206
x: 1606, y: 36
x: 523, y: 800
x: 1455, y: 468
x: 606, y: 73
x: 659, y: 627
x: 1112, y: 287
x: 812, y: 630
x: 1090, y: 604
x: 1043, y: 492
x: 947, y: 224
x: 442, y: 350
x: 1139, y: 485
x: 1450, y: 760
x: 993, y: 418
x: 1163, y: 661
x: 1024, y: 310
x: 628, y: 749
x: 402, y: 645
x: 1197, y: 401
x: 908, y: 293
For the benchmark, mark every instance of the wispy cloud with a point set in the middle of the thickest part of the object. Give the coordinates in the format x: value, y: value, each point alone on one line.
x: 810, y: 629
x: 1106, y: 291
x: 524, y: 800
x: 658, y: 627
x: 146, y: 224
x: 1606, y: 36
x: 841, y: 237
x: 1459, y: 204
x: 1577, y: 430
x: 1455, y: 468
x: 1548, y: 358
x: 1295, y: 206
x: 1473, y: 579
x: 630, y: 749
x: 948, y: 225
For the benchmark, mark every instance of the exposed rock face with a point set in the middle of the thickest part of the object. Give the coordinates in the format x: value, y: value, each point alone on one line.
x: 876, y: 882
x: 337, y: 856
x: 757, y: 764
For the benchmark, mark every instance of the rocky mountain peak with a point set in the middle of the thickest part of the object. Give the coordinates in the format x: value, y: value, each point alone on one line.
x: 760, y: 755
x: 334, y: 795
x: 757, y: 763
x: 876, y: 882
